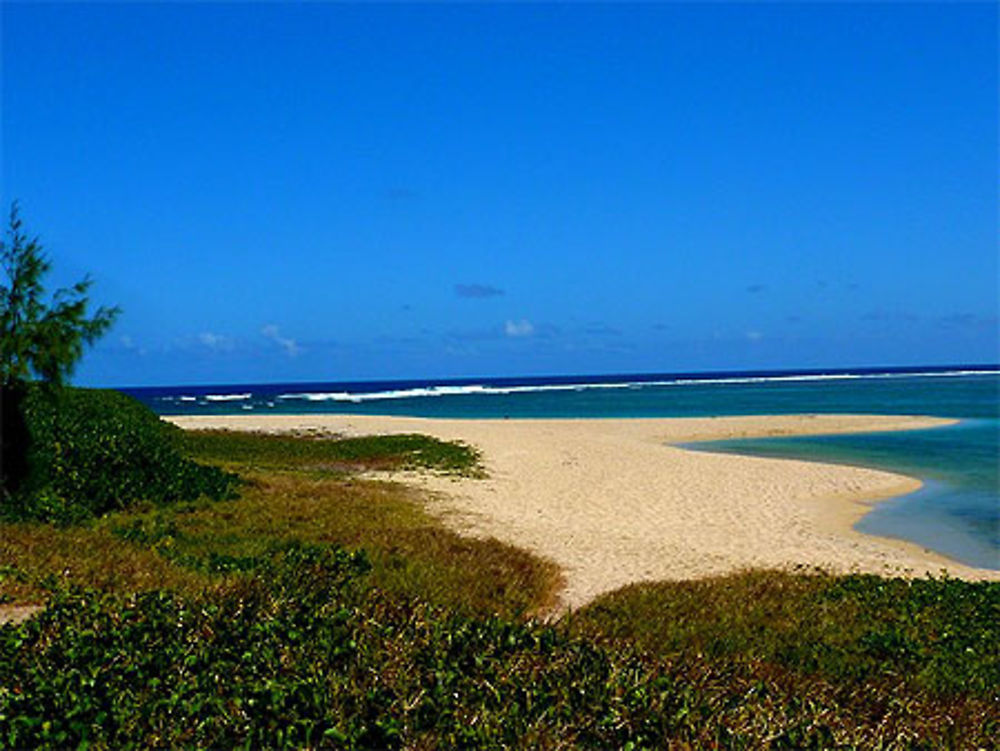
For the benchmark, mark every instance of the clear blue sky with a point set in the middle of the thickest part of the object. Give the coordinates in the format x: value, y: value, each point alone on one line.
x: 325, y: 192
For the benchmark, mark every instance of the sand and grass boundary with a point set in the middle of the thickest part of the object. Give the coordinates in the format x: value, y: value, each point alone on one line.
x: 613, y: 502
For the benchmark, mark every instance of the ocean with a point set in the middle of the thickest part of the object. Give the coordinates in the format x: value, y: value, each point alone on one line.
x: 956, y: 513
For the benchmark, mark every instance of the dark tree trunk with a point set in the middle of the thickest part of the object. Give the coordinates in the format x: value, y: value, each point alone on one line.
x: 14, y: 437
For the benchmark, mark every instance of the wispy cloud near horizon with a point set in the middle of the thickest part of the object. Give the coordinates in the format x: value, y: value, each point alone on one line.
x: 272, y: 332
x: 216, y: 342
x: 520, y: 328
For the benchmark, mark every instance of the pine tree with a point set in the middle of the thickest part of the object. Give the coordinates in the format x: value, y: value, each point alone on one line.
x: 38, y: 339
x: 41, y: 339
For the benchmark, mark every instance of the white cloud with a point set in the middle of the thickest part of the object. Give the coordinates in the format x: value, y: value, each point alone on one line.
x: 523, y: 327
x: 754, y: 336
x: 290, y: 346
x: 215, y: 341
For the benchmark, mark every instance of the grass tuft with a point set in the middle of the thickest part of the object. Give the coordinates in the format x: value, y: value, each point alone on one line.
x: 252, y: 451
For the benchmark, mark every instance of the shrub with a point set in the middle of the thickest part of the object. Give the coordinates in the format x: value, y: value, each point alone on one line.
x: 934, y: 635
x: 93, y: 451
x: 305, y: 653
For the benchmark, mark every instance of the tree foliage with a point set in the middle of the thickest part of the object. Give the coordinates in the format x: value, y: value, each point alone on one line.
x: 39, y: 338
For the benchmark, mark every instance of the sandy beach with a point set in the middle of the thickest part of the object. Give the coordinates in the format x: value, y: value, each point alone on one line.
x: 614, y: 502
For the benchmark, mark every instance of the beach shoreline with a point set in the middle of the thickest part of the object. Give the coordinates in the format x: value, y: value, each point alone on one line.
x: 617, y: 501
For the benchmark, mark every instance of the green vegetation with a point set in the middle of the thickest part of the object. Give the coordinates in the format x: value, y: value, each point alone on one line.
x: 46, y: 472
x: 936, y: 635
x: 38, y: 338
x: 249, y: 451
x: 92, y: 451
x: 308, y: 493
x: 320, y: 609
x: 304, y: 652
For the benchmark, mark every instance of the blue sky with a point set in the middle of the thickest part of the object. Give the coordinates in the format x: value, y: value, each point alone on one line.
x: 324, y: 192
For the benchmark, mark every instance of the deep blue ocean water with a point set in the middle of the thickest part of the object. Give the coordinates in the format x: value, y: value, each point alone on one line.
x: 957, y: 512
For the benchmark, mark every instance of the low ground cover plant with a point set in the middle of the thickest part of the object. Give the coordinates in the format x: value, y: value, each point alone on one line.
x: 934, y: 634
x: 305, y: 652
x: 248, y: 451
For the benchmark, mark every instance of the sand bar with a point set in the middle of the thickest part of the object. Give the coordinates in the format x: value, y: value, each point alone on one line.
x: 612, y: 502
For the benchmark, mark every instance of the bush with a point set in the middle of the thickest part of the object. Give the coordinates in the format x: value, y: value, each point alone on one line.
x: 92, y: 451
x: 305, y: 653
x: 937, y: 636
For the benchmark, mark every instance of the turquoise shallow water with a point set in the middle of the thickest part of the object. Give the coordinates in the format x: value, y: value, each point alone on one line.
x: 956, y: 513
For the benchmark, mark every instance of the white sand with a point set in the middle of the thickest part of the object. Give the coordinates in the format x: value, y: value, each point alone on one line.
x: 612, y: 503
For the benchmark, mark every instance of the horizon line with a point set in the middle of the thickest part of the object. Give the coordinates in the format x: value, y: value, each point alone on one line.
x: 973, y: 368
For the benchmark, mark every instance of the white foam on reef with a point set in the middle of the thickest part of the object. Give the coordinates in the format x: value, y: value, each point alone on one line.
x: 482, y: 389
x: 435, y: 391
x: 814, y: 377
x: 226, y: 397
